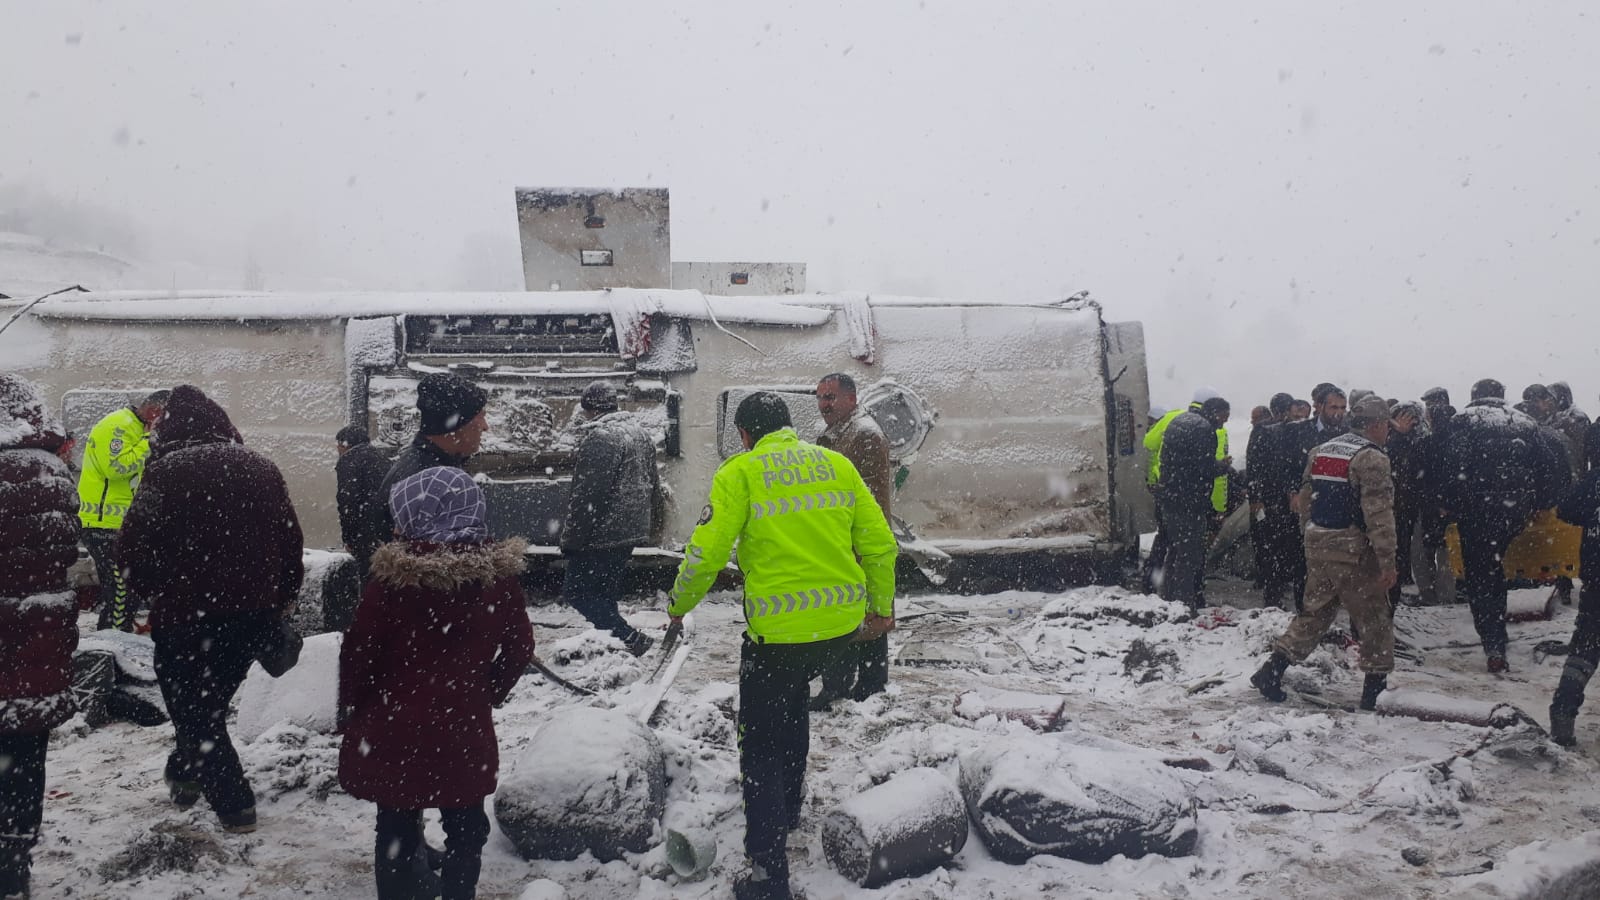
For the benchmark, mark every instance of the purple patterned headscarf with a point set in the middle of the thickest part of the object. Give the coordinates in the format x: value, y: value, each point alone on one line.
x: 442, y: 504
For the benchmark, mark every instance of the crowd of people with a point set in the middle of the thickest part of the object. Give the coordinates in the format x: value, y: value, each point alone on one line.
x: 1352, y: 498
x: 181, y: 518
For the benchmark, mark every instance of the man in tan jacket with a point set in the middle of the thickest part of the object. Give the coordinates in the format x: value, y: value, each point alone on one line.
x: 1347, y: 502
x: 854, y: 433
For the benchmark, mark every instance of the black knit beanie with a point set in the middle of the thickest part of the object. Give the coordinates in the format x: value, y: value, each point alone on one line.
x: 448, y: 402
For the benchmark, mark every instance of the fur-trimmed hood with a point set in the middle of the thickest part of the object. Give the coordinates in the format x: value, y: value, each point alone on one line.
x: 446, y: 567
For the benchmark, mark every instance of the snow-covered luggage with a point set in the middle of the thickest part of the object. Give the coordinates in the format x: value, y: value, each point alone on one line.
x: 590, y: 779
x: 903, y: 827
x: 114, y: 679
x: 1033, y: 795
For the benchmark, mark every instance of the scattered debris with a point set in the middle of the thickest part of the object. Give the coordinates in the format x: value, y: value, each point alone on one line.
x: 1416, y: 856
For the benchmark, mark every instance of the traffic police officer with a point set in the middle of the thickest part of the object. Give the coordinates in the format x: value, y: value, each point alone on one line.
x: 113, y: 461
x: 1350, y: 552
x: 818, y: 561
x: 1154, y: 437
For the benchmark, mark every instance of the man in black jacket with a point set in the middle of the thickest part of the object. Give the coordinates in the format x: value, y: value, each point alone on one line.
x: 358, y: 472
x: 1436, y: 582
x: 1498, y: 469
x: 1407, y: 429
x: 1189, y: 469
x: 610, y: 511
x: 1270, y: 515
x: 1295, y: 442
x: 1573, y: 424
x: 1580, y: 507
x: 452, y: 428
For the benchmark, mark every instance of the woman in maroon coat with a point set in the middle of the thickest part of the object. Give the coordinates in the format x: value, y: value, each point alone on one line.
x: 38, y: 618
x: 440, y: 637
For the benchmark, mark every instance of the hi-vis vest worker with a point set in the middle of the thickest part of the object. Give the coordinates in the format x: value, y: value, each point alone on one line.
x: 801, y: 515
x: 113, y: 461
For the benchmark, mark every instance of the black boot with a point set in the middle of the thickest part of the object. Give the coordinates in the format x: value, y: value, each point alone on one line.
x: 759, y: 885
x: 1563, y: 729
x: 1570, y: 689
x: 405, y: 879
x: 1269, y: 678
x: 1376, y: 683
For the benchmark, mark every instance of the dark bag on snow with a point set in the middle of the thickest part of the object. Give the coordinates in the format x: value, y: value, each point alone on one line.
x: 282, y: 650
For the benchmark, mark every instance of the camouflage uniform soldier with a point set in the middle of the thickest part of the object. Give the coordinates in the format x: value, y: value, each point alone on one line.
x: 1350, y: 552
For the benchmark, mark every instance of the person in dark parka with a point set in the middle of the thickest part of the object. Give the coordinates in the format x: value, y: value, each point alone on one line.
x: 610, y: 510
x: 1293, y: 449
x: 1580, y: 507
x: 38, y: 618
x: 1573, y: 424
x: 1189, y: 469
x: 440, y: 637
x: 1408, y: 431
x: 451, y: 431
x: 212, y: 541
x: 1280, y: 558
x: 359, y: 471
x: 1498, y: 468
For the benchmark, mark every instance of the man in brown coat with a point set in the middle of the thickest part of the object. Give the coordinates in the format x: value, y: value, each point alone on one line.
x: 854, y: 433
x: 1348, y: 492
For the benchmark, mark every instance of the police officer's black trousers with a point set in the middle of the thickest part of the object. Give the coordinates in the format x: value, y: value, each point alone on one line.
x: 774, y: 738
x: 1483, y: 549
x: 860, y: 669
x: 1583, y: 654
x: 116, y: 609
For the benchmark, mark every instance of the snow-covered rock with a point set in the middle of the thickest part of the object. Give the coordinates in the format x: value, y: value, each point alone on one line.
x: 1041, y: 712
x: 903, y: 827
x: 328, y: 592
x: 1030, y: 795
x: 589, y: 779
x: 1115, y: 603
x: 543, y: 889
x: 1431, y: 789
x: 307, y: 696
x: 1555, y: 869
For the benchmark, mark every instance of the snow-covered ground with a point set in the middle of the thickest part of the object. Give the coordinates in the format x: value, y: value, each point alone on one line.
x: 1304, y: 799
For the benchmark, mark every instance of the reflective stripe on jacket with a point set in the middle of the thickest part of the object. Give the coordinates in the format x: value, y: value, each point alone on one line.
x: 113, y: 461
x: 802, y: 516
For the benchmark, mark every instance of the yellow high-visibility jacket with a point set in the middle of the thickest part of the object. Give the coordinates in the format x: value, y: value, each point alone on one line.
x: 1152, y: 443
x: 802, y: 516
x: 113, y: 461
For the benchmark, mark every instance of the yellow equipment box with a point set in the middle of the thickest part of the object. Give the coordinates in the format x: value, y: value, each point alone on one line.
x: 1544, y: 550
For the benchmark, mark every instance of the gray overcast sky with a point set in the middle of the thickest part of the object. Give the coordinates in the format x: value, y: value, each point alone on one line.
x: 1380, y: 194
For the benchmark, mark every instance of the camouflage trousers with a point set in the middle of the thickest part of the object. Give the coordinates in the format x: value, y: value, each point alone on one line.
x: 1353, y: 585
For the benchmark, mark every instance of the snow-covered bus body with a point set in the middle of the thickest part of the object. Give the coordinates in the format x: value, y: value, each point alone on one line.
x: 1016, y: 427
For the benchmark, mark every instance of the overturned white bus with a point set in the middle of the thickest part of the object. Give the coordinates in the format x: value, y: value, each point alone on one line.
x: 1017, y: 426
